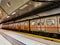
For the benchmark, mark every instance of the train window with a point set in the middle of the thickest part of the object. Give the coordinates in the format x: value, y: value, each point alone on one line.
x: 42, y: 22
x: 16, y: 24
x: 10, y: 24
x: 22, y: 24
x: 33, y: 23
x: 50, y: 22
x: 26, y: 24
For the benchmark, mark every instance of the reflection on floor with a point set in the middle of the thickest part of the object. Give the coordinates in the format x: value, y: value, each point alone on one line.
x: 15, y: 38
x: 3, y: 41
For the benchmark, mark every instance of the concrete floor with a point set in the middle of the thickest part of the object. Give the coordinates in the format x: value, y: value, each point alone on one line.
x: 24, y: 39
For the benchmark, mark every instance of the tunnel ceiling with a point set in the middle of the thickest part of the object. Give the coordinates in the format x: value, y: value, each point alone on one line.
x: 8, y: 6
x: 39, y: 9
x: 44, y: 0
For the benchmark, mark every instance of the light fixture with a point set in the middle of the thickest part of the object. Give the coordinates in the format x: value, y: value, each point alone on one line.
x: 37, y: 4
x: 8, y: 16
x: 24, y: 6
x: 9, y: 3
x: 13, y: 13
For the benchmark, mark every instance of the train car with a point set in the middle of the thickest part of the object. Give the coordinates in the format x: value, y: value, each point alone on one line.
x: 47, y: 26
x: 51, y: 26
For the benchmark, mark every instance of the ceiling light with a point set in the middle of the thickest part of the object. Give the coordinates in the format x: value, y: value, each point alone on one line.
x: 49, y: 0
x: 37, y: 4
x: 9, y: 3
x: 8, y: 16
x: 13, y: 13
x: 23, y: 6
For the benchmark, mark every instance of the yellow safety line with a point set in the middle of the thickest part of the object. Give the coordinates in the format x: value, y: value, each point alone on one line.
x: 42, y: 37
x: 37, y: 36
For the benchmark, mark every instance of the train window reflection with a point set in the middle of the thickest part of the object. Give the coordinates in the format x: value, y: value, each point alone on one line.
x: 33, y: 23
x: 50, y: 22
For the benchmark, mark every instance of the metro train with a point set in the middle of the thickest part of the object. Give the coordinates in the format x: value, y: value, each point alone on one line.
x: 46, y: 26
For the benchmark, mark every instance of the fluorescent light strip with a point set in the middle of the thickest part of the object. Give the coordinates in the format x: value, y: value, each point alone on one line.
x: 24, y: 6
x: 8, y: 16
x: 13, y: 13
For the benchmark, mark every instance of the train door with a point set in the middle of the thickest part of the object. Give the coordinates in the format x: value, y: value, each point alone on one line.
x: 26, y: 25
x: 38, y: 25
x: 33, y: 24
x: 43, y: 24
x: 22, y: 25
x: 51, y: 24
x: 19, y: 26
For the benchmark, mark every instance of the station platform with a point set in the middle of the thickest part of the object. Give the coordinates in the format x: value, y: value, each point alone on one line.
x: 8, y: 37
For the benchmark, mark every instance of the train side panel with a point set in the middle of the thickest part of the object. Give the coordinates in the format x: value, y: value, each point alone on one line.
x: 51, y: 24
